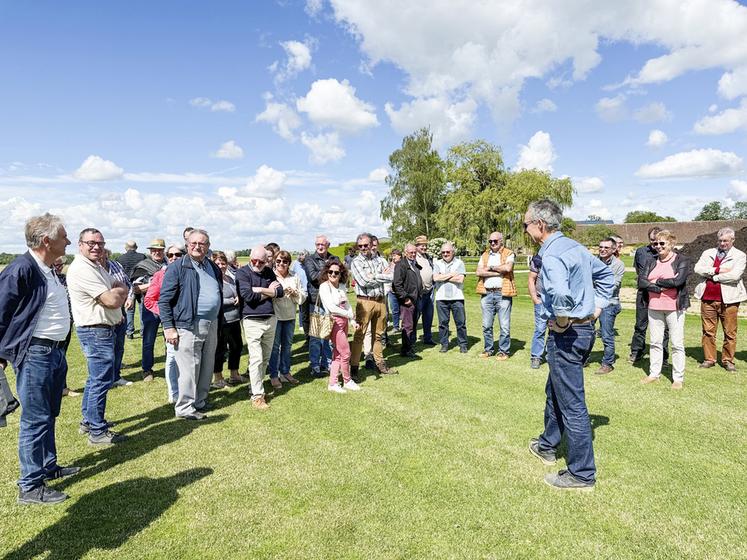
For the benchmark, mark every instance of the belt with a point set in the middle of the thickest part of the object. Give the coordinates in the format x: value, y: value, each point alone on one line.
x: 97, y: 326
x: 47, y: 342
x: 379, y: 299
x: 493, y: 289
x: 583, y: 321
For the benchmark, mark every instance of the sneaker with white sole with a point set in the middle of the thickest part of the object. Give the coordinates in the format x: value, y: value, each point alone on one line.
x: 336, y: 389
x: 351, y: 386
x: 122, y: 382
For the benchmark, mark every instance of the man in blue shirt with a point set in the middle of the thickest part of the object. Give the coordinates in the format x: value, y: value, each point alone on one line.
x: 575, y: 287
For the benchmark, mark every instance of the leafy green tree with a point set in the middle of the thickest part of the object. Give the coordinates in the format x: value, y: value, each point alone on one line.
x: 416, y: 188
x: 646, y: 216
x: 712, y: 211
x: 737, y: 212
x: 591, y: 235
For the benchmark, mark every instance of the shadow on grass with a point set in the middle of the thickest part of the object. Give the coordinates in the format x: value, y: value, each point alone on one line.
x: 597, y: 421
x: 108, y: 517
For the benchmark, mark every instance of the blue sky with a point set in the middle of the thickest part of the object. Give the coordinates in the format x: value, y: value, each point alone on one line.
x: 274, y: 120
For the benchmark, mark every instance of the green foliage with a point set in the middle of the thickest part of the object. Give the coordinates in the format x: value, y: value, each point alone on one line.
x: 646, y: 216
x: 717, y: 211
x: 416, y: 188
x: 568, y: 227
x: 434, y: 246
x: 6, y: 258
x: 591, y: 235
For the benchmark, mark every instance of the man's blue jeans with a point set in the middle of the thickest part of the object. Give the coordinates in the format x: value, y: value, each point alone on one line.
x: 607, y: 326
x: 119, y: 344
x: 98, y: 348
x: 320, y: 350
x: 40, y: 380
x: 149, y: 328
x: 280, y: 359
x: 565, y: 407
x: 492, y: 304
x: 394, y: 309
x: 424, y: 311
x: 456, y: 308
x: 540, y: 329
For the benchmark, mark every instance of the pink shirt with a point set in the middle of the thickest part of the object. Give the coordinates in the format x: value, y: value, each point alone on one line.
x: 667, y: 299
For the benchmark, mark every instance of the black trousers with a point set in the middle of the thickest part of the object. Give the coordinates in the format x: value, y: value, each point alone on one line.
x: 638, y: 343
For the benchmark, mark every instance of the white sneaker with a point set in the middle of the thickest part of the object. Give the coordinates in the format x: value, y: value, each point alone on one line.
x: 336, y: 389
x: 122, y: 382
x: 351, y: 386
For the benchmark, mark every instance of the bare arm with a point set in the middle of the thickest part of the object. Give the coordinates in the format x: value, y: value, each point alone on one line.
x: 114, y: 298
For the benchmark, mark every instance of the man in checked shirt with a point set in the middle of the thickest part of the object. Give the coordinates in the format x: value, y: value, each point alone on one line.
x: 370, y: 308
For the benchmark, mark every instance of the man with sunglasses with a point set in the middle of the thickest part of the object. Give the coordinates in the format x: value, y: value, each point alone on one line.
x: 496, y: 286
x: 320, y: 351
x: 96, y: 299
x: 448, y: 278
x: 607, y: 249
x: 370, y: 308
x: 643, y: 257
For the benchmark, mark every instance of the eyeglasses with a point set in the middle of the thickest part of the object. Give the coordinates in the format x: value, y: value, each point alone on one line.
x: 197, y: 244
x: 334, y: 273
x: 445, y: 252
x: 363, y: 246
x: 282, y: 261
x: 604, y: 248
x: 92, y: 244
x: 257, y: 262
x: 661, y: 243
x: 172, y: 255
x: 527, y: 224
x: 59, y: 265
x: 496, y: 241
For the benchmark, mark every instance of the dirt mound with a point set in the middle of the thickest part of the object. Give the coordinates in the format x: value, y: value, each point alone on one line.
x: 694, y: 249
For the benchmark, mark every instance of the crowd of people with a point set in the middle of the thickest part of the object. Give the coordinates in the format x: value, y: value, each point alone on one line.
x: 203, y: 300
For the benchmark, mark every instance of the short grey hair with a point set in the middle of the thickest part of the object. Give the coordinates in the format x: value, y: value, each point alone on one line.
x: 200, y: 232
x: 39, y: 227
x: 448, y: 245
x: 230, y: 255
x: 410, y: 245
x: 363, y: 235
x: 726, y: 231
x: 131, y: 244
x: 321, y: 236
x: 548, y: 212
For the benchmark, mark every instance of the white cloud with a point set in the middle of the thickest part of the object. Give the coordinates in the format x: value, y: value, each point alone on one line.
x: 712, y: 108
x: 449, y: 122
x: 692, y: 164
x: 725, y: 122
x: 737, y: 190
x: 298, y: 59
x: 588, y: 184
x: 214, y: 106
x: 334, y: 104
x: 229, y: 150
x: 324, y: 147
x: 611, y: 109
x: 378, y: 174
x: 545, y: 106
x: 733, y: 84
x: 95, y: 168
x: 266, y: 183
x: 314, y: 7
x: 539, y: 153
x: 282, y: 117
x: 653, y: 112
x: 656, y: 138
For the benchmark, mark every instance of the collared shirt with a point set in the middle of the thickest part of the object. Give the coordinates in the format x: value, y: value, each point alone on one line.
x: 574, y: 282
x: 86, y: 281
x: 426, y: 271
x: 618, y: 269
x: 117, y: 272
x: 208, y: 300
x: 54, y: 318
x: 496, y: 259
x: 369, y: 276
x: 449, y: 291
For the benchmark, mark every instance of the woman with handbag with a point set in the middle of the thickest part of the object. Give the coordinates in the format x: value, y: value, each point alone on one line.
x: 334, y: 295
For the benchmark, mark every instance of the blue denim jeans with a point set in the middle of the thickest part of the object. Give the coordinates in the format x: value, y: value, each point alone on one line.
x: 98, y: 348
x: 607, y: 326
x: 455, y: 308
x: 425, y: 314
x: 130, y: 316
x: 149, y: 327
x: 40, y: 380
x: 119, y: 344
x: 565, y: 407
x: 280, y: 359
x: 320, y: 350
x: 394, y: 309
x: 492, y: 304
x: 540, y: 329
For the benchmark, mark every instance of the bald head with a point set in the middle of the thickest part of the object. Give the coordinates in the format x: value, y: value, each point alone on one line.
x: 259, y: 257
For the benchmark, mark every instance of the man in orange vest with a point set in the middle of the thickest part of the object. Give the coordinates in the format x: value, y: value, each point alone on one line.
x: 495, y: 283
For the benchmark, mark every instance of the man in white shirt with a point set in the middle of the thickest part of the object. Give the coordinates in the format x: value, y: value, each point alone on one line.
x: 448, y: 278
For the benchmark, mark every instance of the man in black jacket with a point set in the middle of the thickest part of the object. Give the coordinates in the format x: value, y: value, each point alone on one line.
x: 320, y: 351
x: 128, y: 260
x: 408, y: 287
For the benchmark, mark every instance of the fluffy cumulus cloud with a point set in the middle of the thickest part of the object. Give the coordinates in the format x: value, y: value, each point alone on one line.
x: 214, y: 106
x: 449, y: 122
x: 588, y: 184
x: 229, y: 150
x: 462, y: 48
x: 737, y: 190
x: 545, y: 106
x: 693, y: 164
x: 324, y: 147
x: 298, y: 59
x: 539, y: 153
x: 656, y: 139
x: 330, y: 103
x: 611, y: 109
x: 653, y: 112
x: 729, y: 120
x: 733, y: 84
x: 281, y: 116
x: 96, y: 168
x: 266, y: 183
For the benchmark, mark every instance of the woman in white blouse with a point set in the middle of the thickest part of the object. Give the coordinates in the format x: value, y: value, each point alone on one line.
x: 334, y: 295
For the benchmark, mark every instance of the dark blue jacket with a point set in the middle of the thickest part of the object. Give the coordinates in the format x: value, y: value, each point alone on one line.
x: 180, y: 290
x: 252, y: 304
x: 23, y: 292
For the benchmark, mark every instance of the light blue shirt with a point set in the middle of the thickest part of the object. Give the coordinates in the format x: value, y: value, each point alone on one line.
x: 297, y: 269
x: 208, y: 300
x: 574, y: 282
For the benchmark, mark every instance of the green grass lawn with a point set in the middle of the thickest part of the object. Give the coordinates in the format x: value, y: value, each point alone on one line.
x: 430, y: 463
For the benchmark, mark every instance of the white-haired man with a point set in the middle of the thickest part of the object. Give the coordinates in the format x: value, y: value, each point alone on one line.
x: 448, y: 278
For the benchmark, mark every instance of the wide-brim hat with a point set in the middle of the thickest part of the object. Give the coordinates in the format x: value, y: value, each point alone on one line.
x: 157, y: 244
x: 421, y: 239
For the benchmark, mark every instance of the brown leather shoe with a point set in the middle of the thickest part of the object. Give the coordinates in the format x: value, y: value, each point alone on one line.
x: 677, y: 385
x: 259, y: 403
x: 705, y: 364
x: 604, y: 369
x: 485, y: 354
x: 648, y: 379
x: 385, y: 369
x: 728, y: 366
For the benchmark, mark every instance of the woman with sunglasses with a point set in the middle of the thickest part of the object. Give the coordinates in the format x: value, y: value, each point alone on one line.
x: 665, y: 280
x: 285, y: 311
x: 150, y: 301
x: 334, y: 295
x: 229, y: 335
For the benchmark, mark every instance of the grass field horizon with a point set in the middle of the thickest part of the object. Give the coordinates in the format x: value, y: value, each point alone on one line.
x: 430, y: 463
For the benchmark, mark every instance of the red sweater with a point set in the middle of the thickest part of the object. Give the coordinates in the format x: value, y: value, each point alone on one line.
x: 713, y: 289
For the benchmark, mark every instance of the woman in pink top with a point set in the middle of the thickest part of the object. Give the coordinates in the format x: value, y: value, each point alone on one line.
x: 665, y: 280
